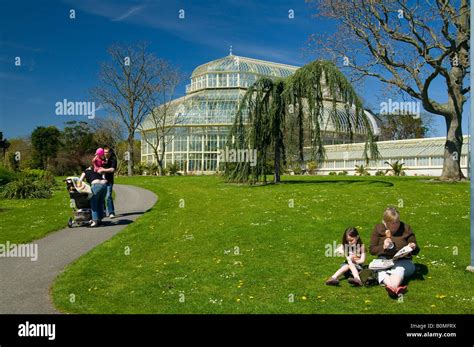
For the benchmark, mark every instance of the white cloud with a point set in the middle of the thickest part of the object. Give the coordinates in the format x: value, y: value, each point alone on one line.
x: 208, y: 26
x: 128, y: 13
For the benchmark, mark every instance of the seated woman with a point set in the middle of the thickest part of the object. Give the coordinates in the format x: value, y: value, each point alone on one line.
x: 99, y: 190
x: 387, y: 239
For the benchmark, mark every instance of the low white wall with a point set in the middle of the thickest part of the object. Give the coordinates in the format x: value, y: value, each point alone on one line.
x: 419, y: 171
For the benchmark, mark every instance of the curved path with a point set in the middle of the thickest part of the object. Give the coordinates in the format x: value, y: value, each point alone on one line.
x: 25, y: 284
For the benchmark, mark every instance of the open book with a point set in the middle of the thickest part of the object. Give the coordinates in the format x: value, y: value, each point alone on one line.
x: 383, y: 264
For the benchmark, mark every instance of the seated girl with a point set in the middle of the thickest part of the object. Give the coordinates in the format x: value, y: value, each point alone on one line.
x: 354, y: 251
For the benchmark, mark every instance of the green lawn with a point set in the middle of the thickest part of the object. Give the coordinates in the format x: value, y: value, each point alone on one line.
x: 240, y: 249
x: 26, y: 220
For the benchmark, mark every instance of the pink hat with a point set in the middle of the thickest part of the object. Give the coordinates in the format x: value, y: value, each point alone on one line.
x: 100, y: 152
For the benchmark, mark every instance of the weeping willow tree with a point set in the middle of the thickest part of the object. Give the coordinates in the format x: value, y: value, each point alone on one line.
x: 262, y: 130
x: 271, y: 110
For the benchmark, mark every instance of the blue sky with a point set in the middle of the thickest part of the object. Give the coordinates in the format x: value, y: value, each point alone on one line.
x: 60, y: 57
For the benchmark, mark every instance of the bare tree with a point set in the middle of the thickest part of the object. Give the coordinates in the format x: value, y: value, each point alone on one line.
x: 157, y: 129
x: 127, y: 87
x: 409, y: 45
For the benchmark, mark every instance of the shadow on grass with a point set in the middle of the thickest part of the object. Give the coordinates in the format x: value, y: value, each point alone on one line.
x: 377, y: 183
x: 421, y: 270
x: 359, y: 182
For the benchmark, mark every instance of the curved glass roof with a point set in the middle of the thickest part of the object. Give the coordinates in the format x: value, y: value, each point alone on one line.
x: 331, y: 120
x: 234, y: 63
x: 218, y: 105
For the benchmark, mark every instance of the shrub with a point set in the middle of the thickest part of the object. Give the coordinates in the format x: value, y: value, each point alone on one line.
x: 122, y: 168
x: 39, y: 174
x: 165, y: 171
x: 343, y: 173
x: 173, y: 169
x: 380, y: 173
x: 332, y: 173
x: 312, y: 166
x: 25, y: 187
x: 297, y: 170
x: 6, y: 176
x: 139, y: 168
x: 361, y: 170
x: 396, y: 168
x: 152, y: 169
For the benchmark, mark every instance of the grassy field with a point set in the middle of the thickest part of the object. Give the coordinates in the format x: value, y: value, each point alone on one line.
x: 212, y: 247
x: 26, y: 220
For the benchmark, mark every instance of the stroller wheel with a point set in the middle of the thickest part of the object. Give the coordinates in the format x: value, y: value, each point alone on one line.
x: 70, y: 222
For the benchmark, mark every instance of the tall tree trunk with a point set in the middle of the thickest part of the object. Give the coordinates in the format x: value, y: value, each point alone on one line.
x: 155, y: 152
x: 300, y: 136
x: 277, y: 161
x: 130, y: 156
x: 452, y: 149
x: 161, y: 157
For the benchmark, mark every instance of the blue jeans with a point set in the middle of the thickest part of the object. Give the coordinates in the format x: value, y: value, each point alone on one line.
x: 97, y: 201
x: 109, y: 202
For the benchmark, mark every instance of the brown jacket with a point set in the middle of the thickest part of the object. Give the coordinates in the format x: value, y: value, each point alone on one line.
x: 401, y: 238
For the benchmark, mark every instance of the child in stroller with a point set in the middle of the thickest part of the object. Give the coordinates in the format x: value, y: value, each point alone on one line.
x: 80, y: 193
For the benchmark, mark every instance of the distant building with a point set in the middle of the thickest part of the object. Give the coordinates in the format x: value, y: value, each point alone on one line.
x: 420, y: 156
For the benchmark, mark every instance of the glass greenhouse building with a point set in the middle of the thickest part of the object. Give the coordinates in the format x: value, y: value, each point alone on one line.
x: 204, y: 116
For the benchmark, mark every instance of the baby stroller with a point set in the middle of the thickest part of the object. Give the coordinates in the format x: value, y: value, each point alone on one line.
x: 80, y: 193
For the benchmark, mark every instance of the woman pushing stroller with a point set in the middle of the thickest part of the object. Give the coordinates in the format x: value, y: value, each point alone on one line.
x: 96, y: 176
x: 99, y: 191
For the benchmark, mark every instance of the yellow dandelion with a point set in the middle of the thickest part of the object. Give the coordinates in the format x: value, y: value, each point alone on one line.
x: 304, y: 297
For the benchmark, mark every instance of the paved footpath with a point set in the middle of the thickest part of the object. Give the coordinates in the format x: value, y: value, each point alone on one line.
x: 25, y: 284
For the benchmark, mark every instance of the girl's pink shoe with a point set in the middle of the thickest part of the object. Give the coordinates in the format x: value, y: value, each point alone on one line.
x: 391, y: 291
x: 401, y: 290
